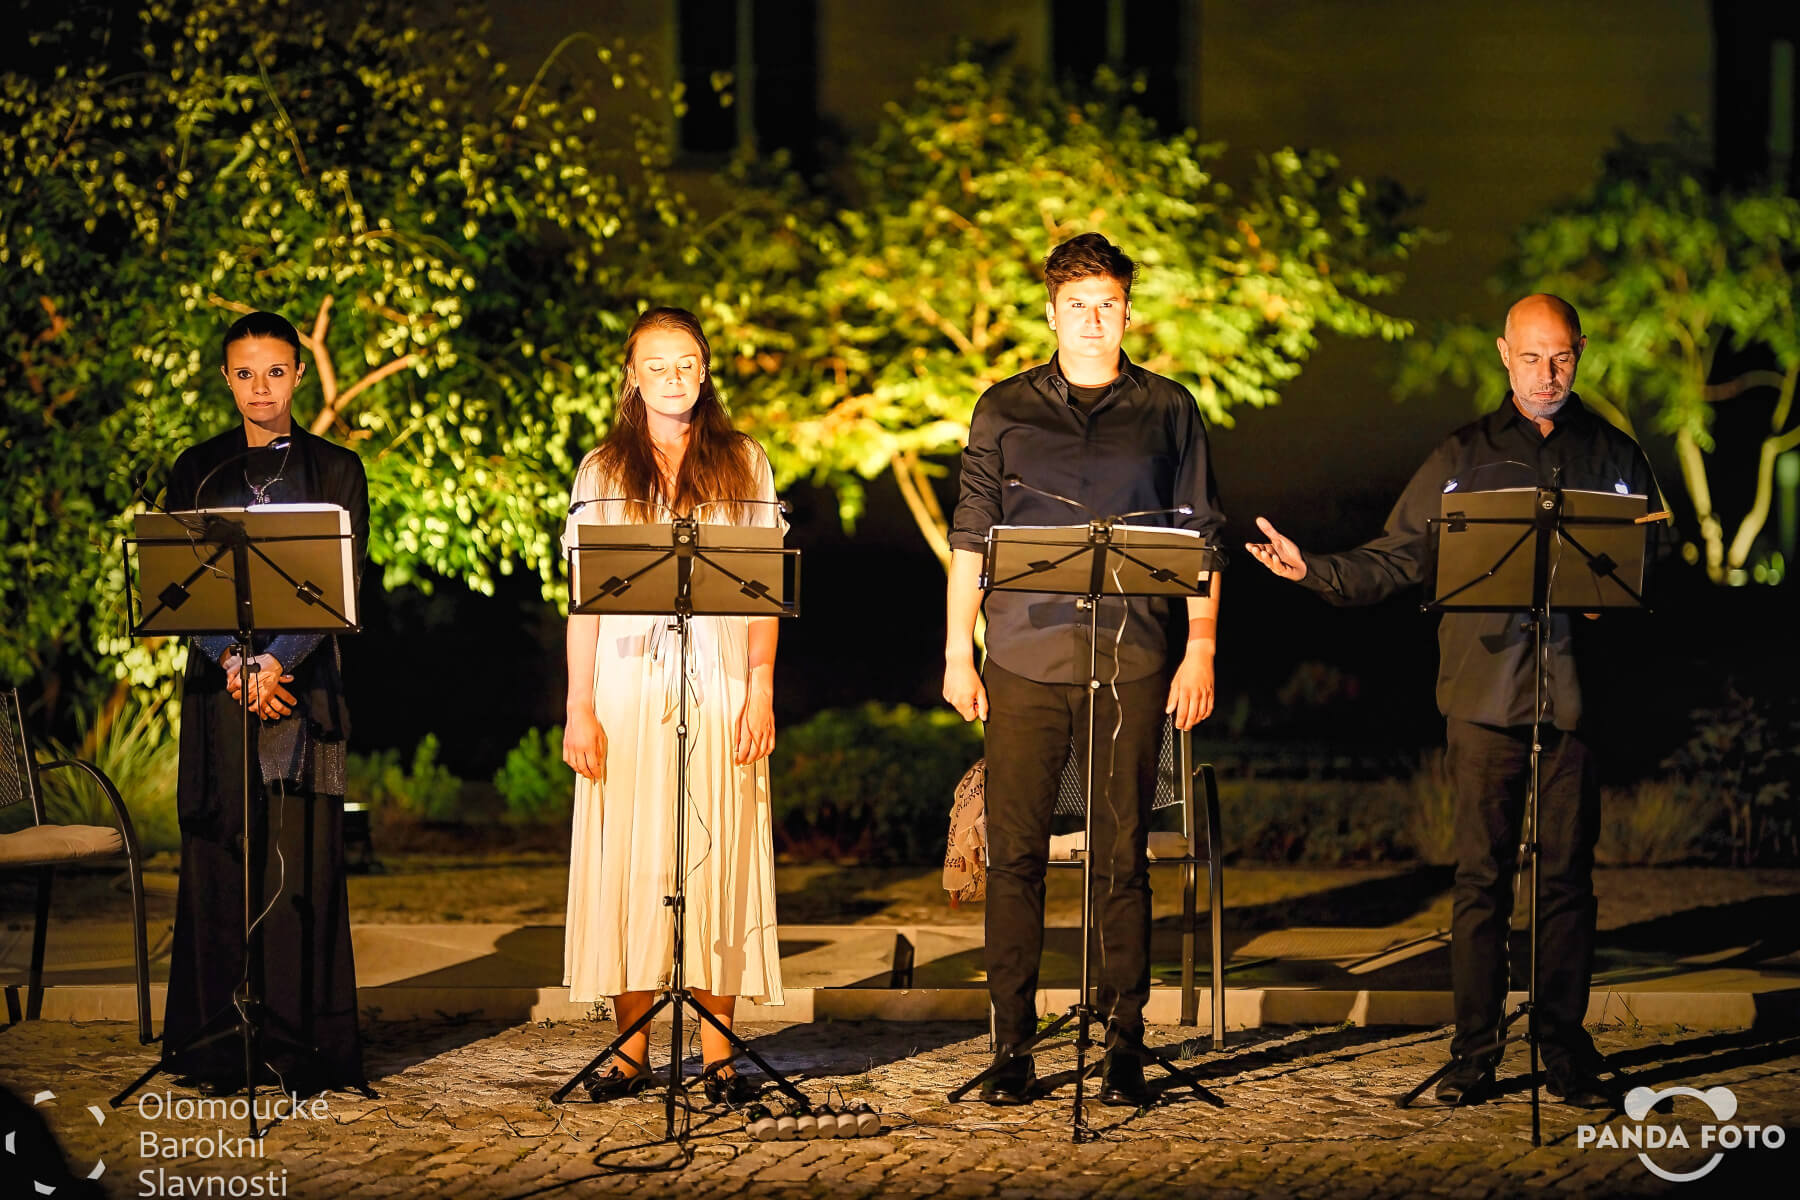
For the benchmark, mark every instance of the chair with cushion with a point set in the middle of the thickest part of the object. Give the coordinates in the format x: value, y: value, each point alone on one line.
x: 43, y: 846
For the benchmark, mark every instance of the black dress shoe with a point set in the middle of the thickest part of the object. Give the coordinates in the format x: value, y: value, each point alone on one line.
x: 1582, y: 1088
x: 725, y: 1088
x: 1468, y: 1081
x: 614, y: 1085
x: 1012, y: 1083
x: 1122, y: 1081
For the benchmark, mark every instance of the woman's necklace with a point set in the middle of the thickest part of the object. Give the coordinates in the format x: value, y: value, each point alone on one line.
x: 259, y: 492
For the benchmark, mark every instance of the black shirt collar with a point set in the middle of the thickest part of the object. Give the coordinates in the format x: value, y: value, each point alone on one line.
x: 1049, y: 380
x: 1573, y: 415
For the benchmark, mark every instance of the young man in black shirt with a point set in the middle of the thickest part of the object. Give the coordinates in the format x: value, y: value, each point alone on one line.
x: 1092, y: 426
x: 1540, y: 436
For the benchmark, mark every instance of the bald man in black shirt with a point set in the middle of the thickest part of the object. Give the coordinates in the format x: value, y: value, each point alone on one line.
x: 1540, y: 436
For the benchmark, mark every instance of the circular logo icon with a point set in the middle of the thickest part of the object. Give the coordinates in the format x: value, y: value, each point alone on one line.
x: 10, y: 1142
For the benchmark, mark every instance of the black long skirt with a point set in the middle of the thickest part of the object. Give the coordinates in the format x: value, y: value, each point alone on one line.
x: 308, y: 972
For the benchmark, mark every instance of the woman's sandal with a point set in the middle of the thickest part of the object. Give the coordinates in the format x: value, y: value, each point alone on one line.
x: 725, y: 1088
x: 615, y: 1084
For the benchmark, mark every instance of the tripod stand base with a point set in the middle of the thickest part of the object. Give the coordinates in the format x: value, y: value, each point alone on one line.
x: 1123, y: 1041
x: 233, y: 1022
x: 1499, y: 1053
x: 677, y: 1084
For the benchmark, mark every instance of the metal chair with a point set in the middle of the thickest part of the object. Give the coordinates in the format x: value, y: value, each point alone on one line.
x: 43, y: 846
x: 1176, y: 773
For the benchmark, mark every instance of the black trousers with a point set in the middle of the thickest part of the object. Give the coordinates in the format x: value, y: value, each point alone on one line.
x: 1028, y: 732
x: 308, y: 968
x: 1490, y: 769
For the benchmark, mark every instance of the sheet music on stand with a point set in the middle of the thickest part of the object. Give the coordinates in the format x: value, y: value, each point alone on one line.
x: 185, y: 576
x: 1055, y: 558
x: 735, y: 570
x: 1484, y: 559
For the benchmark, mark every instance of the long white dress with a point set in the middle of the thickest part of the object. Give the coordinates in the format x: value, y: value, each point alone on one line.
x: 622, y: 855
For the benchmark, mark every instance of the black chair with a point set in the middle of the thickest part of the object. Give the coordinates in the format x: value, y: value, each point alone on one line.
x: 43, y: 846
x: 1176, y: 774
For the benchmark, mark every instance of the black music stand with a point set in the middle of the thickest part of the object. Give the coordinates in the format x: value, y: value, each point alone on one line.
x: 182, y: 589
x: 1105, y: 557
x: 1480, y: 568
x: 679, y: 570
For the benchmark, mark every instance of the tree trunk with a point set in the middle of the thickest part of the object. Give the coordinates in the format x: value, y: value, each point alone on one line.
x: 1779, y: 441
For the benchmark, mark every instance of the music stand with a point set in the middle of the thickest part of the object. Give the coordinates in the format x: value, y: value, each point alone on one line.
x: 679, y: 570
x: 290, y: 569
x: 1105, y: 557
x: 1483, y: 566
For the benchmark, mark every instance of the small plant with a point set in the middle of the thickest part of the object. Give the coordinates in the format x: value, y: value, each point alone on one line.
x: 1433, y: 824
x: 136, y: 748
x: 1658, y: 821
x: 534, y: 781
x: 872, y: 782
x: 1744, y: 753
x: 428, y: 792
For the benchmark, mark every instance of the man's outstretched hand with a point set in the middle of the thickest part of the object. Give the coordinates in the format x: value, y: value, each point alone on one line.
x: 1279, y: 553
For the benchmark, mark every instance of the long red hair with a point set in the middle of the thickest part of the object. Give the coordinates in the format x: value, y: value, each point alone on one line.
x: 717, y: 462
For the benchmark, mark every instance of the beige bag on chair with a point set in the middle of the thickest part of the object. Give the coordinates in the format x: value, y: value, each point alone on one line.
x: 965, y: 854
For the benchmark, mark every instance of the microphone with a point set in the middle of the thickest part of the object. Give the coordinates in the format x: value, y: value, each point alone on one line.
x: 1013, y: 481
x: 581, y: 504
x: 283, y: 443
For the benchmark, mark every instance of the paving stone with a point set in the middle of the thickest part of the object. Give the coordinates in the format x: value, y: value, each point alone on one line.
x: 463, y: 1111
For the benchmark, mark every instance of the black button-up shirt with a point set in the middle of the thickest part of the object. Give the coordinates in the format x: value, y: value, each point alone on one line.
x: 1141, y: 445
x: 1484, y: 659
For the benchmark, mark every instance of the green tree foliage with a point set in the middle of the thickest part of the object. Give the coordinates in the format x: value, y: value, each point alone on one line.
x: 860, y: 334
x: 455, y: 248
x: 1672, y: 277
x: 461, y: 253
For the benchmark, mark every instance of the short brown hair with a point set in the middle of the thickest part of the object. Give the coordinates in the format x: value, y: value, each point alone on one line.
x: 1084, y: 256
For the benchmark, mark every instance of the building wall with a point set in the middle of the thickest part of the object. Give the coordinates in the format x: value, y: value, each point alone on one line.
x: 1493, y: 112
x: 870, y: 52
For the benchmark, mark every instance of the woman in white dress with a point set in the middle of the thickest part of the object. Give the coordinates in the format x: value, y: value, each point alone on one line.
x: 671, y: 449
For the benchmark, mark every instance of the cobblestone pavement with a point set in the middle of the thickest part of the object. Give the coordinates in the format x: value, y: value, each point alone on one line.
x: 464, y: 1110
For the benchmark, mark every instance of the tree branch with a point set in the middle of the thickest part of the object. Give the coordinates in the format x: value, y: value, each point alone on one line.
x: 1610, y: 411
x: 1693, y: 473
x: 1731, y: 388
x: 1773, y: 447
x: 328, y: 384
x: 909, y: 475
x: 923, y: 308
x: 326, y: 416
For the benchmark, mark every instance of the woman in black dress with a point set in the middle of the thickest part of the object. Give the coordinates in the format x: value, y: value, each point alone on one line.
x: 297, y: 739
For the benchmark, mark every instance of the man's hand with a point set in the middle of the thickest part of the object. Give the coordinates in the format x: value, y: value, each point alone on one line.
x: 1191, y: 693
x: 1279, y: 554
x: 963, y: 689
x: 756, y: 725
x: 584, y: 744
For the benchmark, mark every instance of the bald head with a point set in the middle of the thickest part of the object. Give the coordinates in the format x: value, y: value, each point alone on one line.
x: 1541, y: 307
x: 1540, y: 351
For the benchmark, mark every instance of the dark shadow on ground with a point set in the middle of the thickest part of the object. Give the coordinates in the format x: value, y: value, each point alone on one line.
x: 1769, y: 924
x: 1390, y: 900
x: 1271, y: 1053
x: 823, y: 1051
x: 530, y: 956
x: 1685, y: 1061
x: 837, y: 896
